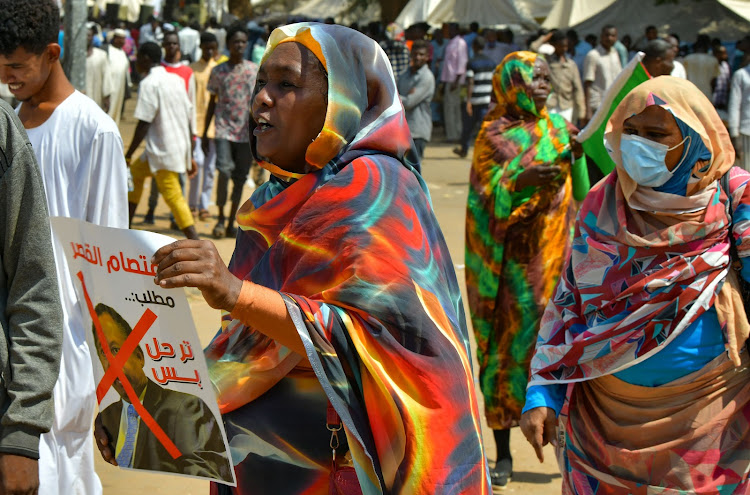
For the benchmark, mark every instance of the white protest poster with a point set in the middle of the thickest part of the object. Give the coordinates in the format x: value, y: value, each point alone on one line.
x: 155, y: 397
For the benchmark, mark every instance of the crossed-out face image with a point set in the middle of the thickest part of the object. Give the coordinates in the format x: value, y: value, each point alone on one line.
x: 186, y: 438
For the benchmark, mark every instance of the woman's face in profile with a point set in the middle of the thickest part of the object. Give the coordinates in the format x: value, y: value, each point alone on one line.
x: 289, y: 106
x: 657, y: 124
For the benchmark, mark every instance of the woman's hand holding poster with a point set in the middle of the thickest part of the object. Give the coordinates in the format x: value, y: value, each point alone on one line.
x: 157, y: 404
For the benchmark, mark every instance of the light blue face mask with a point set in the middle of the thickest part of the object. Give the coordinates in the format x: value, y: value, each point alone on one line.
x: 643, y: 160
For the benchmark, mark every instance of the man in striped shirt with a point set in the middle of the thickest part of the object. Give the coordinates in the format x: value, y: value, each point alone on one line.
x: 478, y: 93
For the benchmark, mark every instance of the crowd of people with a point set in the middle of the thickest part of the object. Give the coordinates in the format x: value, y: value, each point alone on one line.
x: 528, y: 175
x: 581, y: 70
x: 188, y: 136
x: 443, y: 76
x: 603, y: 341
x: 609, y: 320
x: 531, y: 99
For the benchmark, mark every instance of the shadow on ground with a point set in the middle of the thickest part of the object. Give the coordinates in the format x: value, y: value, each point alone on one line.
x: 535, y: 478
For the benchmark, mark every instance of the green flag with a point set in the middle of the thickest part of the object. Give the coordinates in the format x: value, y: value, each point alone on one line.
x: 591, y: 137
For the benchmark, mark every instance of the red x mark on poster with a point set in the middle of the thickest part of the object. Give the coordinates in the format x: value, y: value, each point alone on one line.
x: 116, y: 364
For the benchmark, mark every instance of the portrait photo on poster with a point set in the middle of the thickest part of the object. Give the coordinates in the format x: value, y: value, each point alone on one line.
x: 156, y: 401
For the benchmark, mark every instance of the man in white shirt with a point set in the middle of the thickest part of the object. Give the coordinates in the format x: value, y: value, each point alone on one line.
x: 600, y: 68
x: 739, y: 116
x: 165, y: 120
x: 172, y: 63
x: 679, y: 69
x: 98, y: 83
x: 659, y: 57
x: 80, y: 156
x: 702, y: 68
x: 119, y: 73
x: 190, y: 42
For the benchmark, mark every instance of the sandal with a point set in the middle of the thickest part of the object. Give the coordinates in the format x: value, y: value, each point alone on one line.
x: 219, y: 231
x: 501, y: 474
x: 204, y: 215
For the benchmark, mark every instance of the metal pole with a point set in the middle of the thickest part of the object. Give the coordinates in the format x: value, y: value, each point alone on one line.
x: 74, y: 26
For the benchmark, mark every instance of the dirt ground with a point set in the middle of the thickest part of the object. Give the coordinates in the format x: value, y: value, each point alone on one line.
x: 447, y: 178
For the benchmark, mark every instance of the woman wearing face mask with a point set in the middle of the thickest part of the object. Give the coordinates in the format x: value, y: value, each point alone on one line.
x: 519, y: 220
x: 642, y: 350
x: 340, y: 289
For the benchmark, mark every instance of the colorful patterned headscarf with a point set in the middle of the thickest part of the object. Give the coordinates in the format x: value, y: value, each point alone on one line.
x: 362, y: 96
x: 354, y: 248
x: 645, y: 263
x: 511, y: 83
x: 677, y: 96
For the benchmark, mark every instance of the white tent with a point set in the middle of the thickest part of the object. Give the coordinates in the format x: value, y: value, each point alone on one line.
x: 569, y: 13
x: 725, y: 19
x: 321, y: 8
x: 739, y: 7
x: 344, y: 11
x: 423, y: 11
x: 538, y: 9
x: 485, y: 12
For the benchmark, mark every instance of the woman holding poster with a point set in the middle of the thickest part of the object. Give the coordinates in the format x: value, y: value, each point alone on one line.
x: 340, y: 290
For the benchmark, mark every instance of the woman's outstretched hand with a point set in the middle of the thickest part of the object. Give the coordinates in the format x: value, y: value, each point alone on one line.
x: 539, y: 426
x: 193, y: 263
